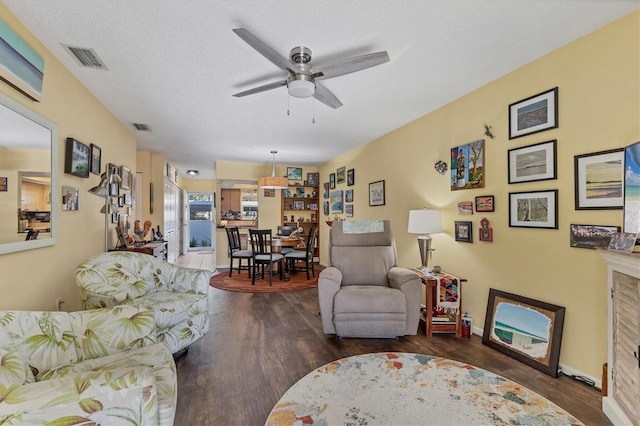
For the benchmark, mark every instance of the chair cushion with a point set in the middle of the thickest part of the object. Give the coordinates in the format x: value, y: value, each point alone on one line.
x: 296, y: 254
x: 242, y: 253
x: 364, y: 299
x: 14, y: 370
x: 265, y: 257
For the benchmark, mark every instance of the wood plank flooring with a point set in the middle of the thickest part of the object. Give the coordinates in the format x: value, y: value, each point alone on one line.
x: 261, y: 344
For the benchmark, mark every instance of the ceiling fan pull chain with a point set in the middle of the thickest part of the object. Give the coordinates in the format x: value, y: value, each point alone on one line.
x: 313, y: 103
x: 288, y: 100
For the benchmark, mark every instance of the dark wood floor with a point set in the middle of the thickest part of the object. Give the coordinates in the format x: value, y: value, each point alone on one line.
x: 261, y: 344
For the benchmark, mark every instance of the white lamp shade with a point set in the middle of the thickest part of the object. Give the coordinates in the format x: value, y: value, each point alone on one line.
x: 425, y: 221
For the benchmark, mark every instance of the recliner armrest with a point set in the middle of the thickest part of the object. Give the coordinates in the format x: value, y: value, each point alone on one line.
x: 410, y: 284
x: 329, y: 283
x: 399, y: 276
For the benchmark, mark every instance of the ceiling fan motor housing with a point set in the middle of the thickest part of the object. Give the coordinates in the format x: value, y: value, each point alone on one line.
x: 300, y: 55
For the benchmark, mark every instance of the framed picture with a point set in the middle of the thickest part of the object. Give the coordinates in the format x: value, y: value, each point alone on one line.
x: 168, y: 172
x: 325, y: 190
x: 121, y: 201
x: 465, y: 207
x: 348, y: 196
x: 332, y: 181
x: 533, y: 209
x: 299, y: 192
x: 532, y: 162
x: 376, y: 193
x: 70, y: 198
x: 128, y: 199
x: 467, y: 166
x: 623, y: 241
x: 96, y: 159
x: 294, y: 173
x: 464, y: 231
x: 525, y: 329
x: 298, y: 205
x: 325, y: 208
x: 535, y: 114
x: 485, y: 232
x: 341, y: 175
x: 591, y: 236
x: 114, y: 217
x: 76, y: 160
x: 125, y: 177
x: 20, y: 66
x: 114, y: 189
x: 485, y: 203
x: 598, y: 179
x: 348, y: 209
x: 4, y: 184
x: 336, y: 201
x: 269, y: 192
x: 631, y: 218
x: 150, y: 197
x: 351, y: 177
x: 313, y: 179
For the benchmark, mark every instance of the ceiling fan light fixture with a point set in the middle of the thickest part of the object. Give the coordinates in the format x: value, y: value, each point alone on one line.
x: 301, y: 86
x: 192, y: 173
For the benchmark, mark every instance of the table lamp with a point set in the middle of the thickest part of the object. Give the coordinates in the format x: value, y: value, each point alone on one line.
x: 425, y: 222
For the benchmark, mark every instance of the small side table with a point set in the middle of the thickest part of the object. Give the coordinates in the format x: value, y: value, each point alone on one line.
x: 439, y: 327
x: 157, y: 249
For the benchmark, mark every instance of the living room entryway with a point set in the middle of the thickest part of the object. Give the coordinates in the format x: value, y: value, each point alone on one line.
x: 201, y: 214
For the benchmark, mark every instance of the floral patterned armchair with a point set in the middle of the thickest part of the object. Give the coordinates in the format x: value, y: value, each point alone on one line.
x: 177, y: 295
x: 91, y: 367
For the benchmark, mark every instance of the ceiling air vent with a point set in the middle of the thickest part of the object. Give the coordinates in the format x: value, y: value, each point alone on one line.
x: 141, y: 127
x: 87, y: 58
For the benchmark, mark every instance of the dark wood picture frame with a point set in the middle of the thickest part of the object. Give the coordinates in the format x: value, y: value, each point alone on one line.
x: 464, y: 231
x: 332, y: 181
x: 377, y: 193
x: 534, y: 114
x: 533, y: 209
x: 351, y: 177
x: 341, y: 174
x: 485, y: 203
x: 96, y: 159
x: 4, y: 184
x: 76, y: 159
x: 294, y: 173
x: 533, y: 162
x: 602, y: 189
x: 544, y: 322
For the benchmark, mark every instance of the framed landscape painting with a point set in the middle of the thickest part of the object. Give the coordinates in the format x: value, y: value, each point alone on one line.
x: 20, y: 66
x: 336, y: 201
x: 525, y: 329
x: 534, y: 209
x: 534, y: 114
x: 631, y: 216
x: 533, y: 162
x: 599, y: 179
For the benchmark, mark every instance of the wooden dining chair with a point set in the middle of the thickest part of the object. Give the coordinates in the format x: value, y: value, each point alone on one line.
x: 296, y: 257
x: 236, y: 251
x: 263, y: 254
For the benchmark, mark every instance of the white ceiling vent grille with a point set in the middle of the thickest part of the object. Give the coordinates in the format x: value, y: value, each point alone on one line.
x: 141, y: 127
x: 87, y: 58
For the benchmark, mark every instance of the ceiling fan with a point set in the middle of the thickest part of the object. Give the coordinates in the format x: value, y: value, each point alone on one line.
x: 303, y: 80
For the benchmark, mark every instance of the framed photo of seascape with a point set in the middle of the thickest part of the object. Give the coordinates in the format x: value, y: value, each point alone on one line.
x: 533, y: 162
x: 599, y: 180
x: 535, y: 114
x: 20, y: 66
x: 632, y: 189
x: 525, y: 329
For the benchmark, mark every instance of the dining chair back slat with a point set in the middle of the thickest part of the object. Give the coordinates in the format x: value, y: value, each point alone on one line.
x: 263, y: 254
x: 236, y: 251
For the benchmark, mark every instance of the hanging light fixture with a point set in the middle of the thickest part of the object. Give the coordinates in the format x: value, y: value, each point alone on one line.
x: 273, y: 181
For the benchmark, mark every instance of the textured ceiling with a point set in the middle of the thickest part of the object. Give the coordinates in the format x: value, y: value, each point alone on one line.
x: 174, y: 65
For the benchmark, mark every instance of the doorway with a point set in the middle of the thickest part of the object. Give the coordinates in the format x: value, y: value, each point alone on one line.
x: 201, y: 216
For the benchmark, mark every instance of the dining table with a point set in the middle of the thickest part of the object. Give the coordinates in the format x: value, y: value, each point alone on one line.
x: 277, y: 243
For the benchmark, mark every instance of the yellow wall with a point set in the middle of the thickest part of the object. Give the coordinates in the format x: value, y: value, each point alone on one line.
x: 33, y: 279
x: 599, y: 108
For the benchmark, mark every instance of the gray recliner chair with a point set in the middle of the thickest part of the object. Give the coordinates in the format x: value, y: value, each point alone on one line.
x: 363, y: 293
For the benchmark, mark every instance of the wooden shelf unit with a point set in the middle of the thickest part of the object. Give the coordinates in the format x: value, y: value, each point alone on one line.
x: 302, y: 202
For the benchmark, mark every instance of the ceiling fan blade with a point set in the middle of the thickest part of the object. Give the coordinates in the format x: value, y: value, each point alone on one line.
x: 349, y: 65
x: 325, y: 96
x: 262, y: 88
x: 265, y: 50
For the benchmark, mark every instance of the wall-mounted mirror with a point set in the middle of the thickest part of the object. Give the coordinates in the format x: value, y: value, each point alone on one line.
x: 28, y: 178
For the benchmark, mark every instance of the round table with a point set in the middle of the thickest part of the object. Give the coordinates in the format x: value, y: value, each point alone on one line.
x: 278, y: 243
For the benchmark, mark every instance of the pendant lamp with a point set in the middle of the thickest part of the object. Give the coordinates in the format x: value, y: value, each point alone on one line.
x: 273, y: 181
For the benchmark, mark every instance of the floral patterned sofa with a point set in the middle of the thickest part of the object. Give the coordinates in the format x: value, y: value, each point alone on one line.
x: 177, y: 295
x: 91, y: 367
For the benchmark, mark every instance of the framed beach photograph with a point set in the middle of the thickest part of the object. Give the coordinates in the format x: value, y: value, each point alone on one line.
x: 337, y: 202
x: 591, y: 236
x: 533, y: 209
x: 534, y: 114
x: 20, y: 66
x: 485, y: 203
x: 96, y: 159
x: 351, y: 177
x: 341, y: 175
x: 464, y: 231
x: 525, y: 329
x: 294, y: 173
x: 348, y: 209
x: 631, y: 216
x: 76, y: 160
x: 532, y: 162
x: 598, y: 179
x: 467, y: 166
x: 125, y: 177
x: 376, y: 193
